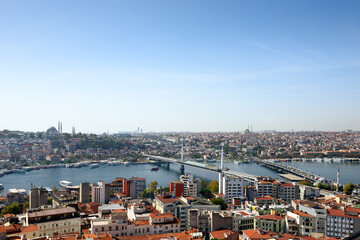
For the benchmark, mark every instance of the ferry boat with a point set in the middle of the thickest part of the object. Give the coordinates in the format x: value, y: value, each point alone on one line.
x: 154, y: 168
x: 65, y: 183
x: 94, y: 165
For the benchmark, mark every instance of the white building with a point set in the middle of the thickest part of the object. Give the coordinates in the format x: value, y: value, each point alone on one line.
x: 231, y: 186
x: 98, y: 192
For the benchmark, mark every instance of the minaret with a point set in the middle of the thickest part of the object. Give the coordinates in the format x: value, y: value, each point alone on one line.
x: 338, y: 179
x: 222, y: 158
x: 73, y: 131
x: 58, y: 126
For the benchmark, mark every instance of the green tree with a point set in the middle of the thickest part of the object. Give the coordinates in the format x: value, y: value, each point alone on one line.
x: 219, y: 201
x: 214, y: 186
x: 304, y: 182
x: 203, y: 184
x: 25, y: 206
x: 348, y: 188
x: 153, y: 185
x: 12, y: 208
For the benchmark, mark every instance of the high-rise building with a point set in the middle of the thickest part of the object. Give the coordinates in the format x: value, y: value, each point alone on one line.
x: 37, y: 197
x: 231, y: 186
x: 98, y: 192
x: 177, y: 188
x: 134, y: 187
x: 84, y: 192
x: 188, y: 177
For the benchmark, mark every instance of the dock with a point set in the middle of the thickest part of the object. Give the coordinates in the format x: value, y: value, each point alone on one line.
x: 291, y: 177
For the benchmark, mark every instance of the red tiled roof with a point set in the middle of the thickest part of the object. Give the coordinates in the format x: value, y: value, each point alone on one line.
x: 166, y: 200
x: 303, y: 214
x: 340, y: 213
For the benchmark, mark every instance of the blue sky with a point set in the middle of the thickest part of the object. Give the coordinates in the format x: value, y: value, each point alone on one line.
x: 180, y: 65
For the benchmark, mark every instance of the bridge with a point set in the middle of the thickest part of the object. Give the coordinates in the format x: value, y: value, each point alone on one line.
x: 208, y: 167
x: 292, y: 170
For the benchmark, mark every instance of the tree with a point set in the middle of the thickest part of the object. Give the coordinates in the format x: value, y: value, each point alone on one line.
x: 12, y: 208
x: 25, y: 206
x: 306, y: 183
x: 348, y: 188
x: 153, y: 185
x: 214, y: 186
x: 219, y: 201
x: 203, y: 184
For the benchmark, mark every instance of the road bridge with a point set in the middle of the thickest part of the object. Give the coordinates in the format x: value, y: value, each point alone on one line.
x: 208, y: 167
x: 292, y: 170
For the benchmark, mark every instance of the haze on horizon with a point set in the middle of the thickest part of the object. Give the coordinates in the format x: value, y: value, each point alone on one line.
x: 180, y: 65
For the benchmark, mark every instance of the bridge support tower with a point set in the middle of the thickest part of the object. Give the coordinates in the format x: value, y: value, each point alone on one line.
x: 182, y: 169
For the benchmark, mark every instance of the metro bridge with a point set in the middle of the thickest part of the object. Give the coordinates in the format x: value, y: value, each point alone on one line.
x: 208, y: 167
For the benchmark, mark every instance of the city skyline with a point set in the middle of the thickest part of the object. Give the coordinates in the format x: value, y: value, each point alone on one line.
x: 200, y: 66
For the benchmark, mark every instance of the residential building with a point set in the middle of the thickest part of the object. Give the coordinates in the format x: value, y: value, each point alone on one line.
x: 38, y: 197
x: 342, y: 223
x: 179, y: 207
x: 231, y: 186
x: 134, y: 187
x: 243, y: 220
x: 316, y: 210
x: 98, y: 192
x: 84, y: 192
x: 177, y: 188
x: 207, y: 221
x: 53, y: 221
x: 306, y: 222
x: 273, y: 222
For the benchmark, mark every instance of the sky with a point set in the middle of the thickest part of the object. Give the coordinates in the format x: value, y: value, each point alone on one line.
x: 204, y: 65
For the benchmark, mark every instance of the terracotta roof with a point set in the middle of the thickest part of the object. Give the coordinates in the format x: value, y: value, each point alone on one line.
x: 166, y: 200
x: 340, y: 213
x: 287, y: 185
x: 254, y: 234
x: 141, y: 222
x: 30, y: 228
x: 185, y: 235
x: 303, y: 214
x: 224, y: 234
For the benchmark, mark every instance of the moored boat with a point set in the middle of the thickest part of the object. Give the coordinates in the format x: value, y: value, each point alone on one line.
x: 65, y: 183
x: 94, y: 165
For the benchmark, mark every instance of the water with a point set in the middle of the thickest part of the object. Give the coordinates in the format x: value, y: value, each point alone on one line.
x: 349, y: 172
x: 52, y: 176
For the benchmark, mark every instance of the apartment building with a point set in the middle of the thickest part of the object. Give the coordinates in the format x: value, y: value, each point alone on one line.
x: 53, y: 221
x: 305, y: 222
x: 342, y: 223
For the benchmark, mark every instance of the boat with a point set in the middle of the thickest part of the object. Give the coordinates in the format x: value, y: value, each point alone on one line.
x: 237, y: 162
x: 77, y: 165
x: 65, y: 183
x: 211, y: 161
x: 126, y: 163
x: 18, y: 171
x: 94, y: 165
x: 154, y: 168
x: 103, y: 162
x: 115, y: 163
